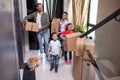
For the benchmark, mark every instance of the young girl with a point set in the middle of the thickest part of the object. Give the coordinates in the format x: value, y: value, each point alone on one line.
x: 68, y: 30
x: 54, y: 51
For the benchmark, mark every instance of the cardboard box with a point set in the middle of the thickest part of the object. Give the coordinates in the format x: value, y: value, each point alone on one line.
x: 80, y: 67
x: 81, y: 70
x: 55, y: 25
x: 89, y: 45
x: 70, y: 42
x: 31, y: 26
x: 80, y: 60
x: 83, y: 44
x: 77, y: 67
x: 80, y: 47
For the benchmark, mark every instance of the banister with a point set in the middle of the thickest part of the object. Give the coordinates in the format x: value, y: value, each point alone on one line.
x: 107, y: 19
x: 93, y: 62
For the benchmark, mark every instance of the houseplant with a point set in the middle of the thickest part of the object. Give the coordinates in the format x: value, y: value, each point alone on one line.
x: 80, y: 28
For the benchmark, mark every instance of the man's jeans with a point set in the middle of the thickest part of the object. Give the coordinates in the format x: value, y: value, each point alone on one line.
x: 54, y: 61
x: 44, y: 35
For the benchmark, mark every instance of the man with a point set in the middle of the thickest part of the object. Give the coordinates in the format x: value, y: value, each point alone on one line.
x: 42, y: 19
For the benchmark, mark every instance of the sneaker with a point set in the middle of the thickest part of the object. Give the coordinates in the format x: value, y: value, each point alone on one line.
x: 66, y: 62
x: 70, y: 62
x: 51, y: 69
x: 56, y: 70
x: 46, y: 55
x: 41, y: 55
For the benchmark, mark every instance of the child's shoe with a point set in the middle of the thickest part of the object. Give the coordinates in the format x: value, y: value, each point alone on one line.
x: 51, y: 69
x: 56, y: 70
x: 70, y: 62
x: 66, y: 62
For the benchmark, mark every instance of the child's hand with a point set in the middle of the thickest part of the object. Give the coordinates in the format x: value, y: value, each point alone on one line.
x: 48, y: 54
x: 48, y: 58
x: 23, y: 25
x: 64, y: 38
x: 59, y: 55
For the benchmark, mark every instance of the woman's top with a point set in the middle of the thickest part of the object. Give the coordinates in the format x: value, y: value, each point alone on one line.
x: 62, y: 25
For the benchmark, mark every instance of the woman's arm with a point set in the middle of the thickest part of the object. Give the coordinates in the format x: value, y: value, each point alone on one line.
x: 63, y: 37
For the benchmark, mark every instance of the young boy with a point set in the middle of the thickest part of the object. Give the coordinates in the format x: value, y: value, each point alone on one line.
x: 54, y: 51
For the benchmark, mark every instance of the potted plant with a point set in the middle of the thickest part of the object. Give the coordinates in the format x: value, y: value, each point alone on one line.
x: 80, y: 28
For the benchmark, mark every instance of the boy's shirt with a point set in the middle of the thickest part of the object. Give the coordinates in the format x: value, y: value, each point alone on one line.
x: 54, y: 47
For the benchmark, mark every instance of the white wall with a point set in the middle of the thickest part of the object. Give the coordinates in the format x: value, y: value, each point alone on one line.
x: 68, y: 8
x: 93, y: 16
x: 107, y: 43
x: 23, y: 13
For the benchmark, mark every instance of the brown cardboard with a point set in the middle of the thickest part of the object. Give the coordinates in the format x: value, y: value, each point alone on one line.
x: 81, y: 68
x: 89, y: 45
x: 28, y: 26
x: 70, y: 42
x: 77, y: 67
x: 35, y: 27
x: 80, y: 60
x: 31, y: 26
x: 55, y: 25
x: 80, y: 47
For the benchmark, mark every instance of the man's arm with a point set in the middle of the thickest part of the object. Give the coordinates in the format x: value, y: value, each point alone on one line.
x: 48, y: 50
x: 30, y: 16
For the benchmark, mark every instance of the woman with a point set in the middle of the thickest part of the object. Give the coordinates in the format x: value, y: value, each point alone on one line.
x: 63, y: 22
x: 62, y: 25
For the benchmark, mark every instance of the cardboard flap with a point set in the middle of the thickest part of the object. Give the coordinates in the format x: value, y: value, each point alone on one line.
x: 70, y: 42
x: 56, y: 20
x: 80, y: 47
x: 89, y: 45
x: 31, y: 26
x: 35, y: 27
x: 77, y: 34
x: 28, y: 26
x: 55, y: 25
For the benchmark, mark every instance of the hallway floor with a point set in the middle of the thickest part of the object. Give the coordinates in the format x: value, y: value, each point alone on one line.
x: 42, y: 72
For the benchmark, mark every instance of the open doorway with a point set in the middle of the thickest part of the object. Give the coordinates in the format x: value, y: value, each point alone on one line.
x: 49, y: 7
x: 32, y: 36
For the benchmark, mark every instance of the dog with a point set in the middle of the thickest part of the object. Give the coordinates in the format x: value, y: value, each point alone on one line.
x: 33, y: 62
